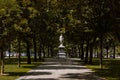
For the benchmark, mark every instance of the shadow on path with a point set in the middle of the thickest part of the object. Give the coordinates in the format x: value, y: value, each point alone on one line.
x: 37, y: 73
x: 41, y: 79
x: 60, y: 71
x: 81, y: 76
x: 58, y: 67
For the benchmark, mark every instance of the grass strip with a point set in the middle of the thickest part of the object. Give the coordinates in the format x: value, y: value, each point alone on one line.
x: 111, y: 70
x: 13, y: 71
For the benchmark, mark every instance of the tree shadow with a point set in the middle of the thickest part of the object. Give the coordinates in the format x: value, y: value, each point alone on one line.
x: 83, y: 76
x: 58, y: 67
x: 28, y: 74
x: 111, y: 72
x: 15, y: 73
x: 37, y: 73
x: 30, y: 67
x: 41, y: 79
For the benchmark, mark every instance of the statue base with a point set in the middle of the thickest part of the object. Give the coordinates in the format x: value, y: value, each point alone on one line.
x: 61, y: 53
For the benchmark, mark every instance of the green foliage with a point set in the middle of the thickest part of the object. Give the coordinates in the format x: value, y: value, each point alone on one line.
x: 71, y: 17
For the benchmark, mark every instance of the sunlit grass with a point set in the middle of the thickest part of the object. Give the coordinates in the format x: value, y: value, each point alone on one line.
x: 111, y: 70
x: 14, y: 72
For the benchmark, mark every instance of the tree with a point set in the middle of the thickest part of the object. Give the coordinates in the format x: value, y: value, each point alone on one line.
x: 103, y: 20
x: 5, y: 19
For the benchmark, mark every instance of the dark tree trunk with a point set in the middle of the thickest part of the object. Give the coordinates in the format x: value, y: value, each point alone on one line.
x: 19, y: 53
x: 2, y: 62
x: 35, y: 48
x: 73, y: 52
x: 87, y: 49
x: 114, y: 51
x: 48, y: 51
x: 40, y: 51
x: 97, y: 53
x: 28, y: 53
x: 51, y: 51
x: 101, y: 52
x: 9, y: 49
x: 43, y: 49
x: 82, y: 52
x: 0, y: 54
x: 107, y: 52
x: 79, y: 51
x: 91, y: 53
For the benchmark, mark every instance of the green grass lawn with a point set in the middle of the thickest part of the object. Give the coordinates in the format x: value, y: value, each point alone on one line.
x: 111, y: 70
x: 13, y: 71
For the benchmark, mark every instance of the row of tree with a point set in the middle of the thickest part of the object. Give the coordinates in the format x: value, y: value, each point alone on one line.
x: 96, y: 24
x: 36, y: 25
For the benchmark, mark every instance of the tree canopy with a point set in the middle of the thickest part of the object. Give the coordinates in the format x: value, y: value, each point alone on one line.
x: 37, y: 24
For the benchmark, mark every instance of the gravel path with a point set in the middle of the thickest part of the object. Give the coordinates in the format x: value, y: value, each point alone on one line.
x: 60, y: 71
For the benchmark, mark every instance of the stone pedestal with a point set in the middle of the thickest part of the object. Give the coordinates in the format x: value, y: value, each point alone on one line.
x: 61, y: 53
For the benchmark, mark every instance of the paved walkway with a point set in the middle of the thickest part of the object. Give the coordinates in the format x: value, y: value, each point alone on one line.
x: 64, y: 70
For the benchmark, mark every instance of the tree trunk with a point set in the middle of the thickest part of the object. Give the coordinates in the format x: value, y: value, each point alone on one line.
x: 75, y: 51
x: 2, y: 62
x: 82, y: 52
x: 72, y: 52
x: 97, y: 52
x: 35, y: 48
x: 40, y: 52
x: 43, y: 49
x: 0, y: 54
x: 28, y: 53
x: 87, y: 49
x: 19, y: 53
x: 48, y: 51
x: 91, y: 53
x: 79, y: 51
x: 114, y: 51
x: 107, y: 52
x: 101, y: 52
x: 51, y: 51
x: 9, y: 49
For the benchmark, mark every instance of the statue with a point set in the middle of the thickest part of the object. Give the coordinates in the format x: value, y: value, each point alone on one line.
x: 61, y: 53
x: 61, y: 39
